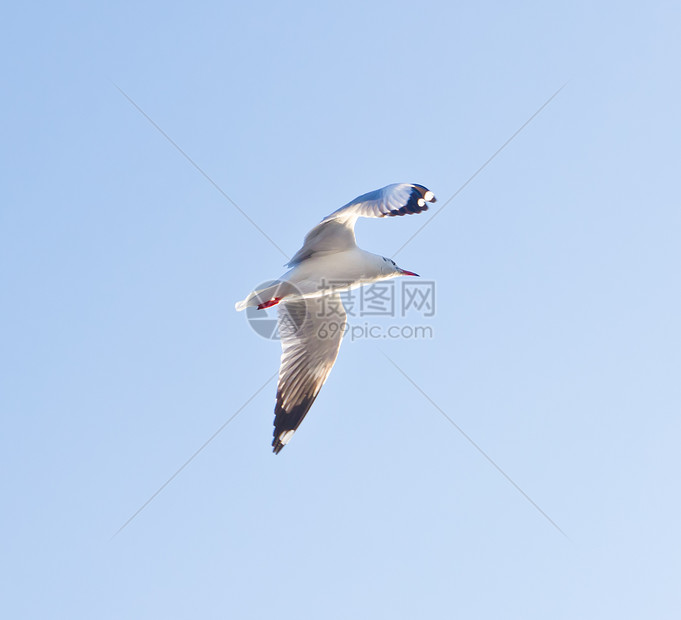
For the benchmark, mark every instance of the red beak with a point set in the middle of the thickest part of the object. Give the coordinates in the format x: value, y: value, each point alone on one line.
x: 404, y: 272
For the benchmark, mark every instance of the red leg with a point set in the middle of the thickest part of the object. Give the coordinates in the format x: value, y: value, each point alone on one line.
x: 270, y: 303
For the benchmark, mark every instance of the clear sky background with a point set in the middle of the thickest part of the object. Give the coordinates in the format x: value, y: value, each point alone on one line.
x: 557, y: 340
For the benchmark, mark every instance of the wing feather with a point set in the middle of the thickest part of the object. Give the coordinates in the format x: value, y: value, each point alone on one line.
x: 309, y: 347
x: 336, y: 232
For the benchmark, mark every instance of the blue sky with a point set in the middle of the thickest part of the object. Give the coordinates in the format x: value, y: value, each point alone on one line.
x: 556, y: 338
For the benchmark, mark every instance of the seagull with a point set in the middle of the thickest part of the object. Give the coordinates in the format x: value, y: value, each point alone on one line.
x: 311, y: 317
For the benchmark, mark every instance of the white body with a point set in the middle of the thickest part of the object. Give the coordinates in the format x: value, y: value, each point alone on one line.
x: 324, y: 274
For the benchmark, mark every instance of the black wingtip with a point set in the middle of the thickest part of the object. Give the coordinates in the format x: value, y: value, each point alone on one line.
x: 278, y: 444
x: 426, y: 194
x: 418, y: 201
x: 286, y: 422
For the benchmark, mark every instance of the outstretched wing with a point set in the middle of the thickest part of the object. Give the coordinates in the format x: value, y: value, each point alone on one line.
x: 391, y: 200
x: 311, y: 331
x: 336, y: 232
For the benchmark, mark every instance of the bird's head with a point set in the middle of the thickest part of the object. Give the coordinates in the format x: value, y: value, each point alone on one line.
x: 389, y: 269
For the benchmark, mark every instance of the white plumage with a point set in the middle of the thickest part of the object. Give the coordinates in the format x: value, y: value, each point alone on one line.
x: 328, y: 263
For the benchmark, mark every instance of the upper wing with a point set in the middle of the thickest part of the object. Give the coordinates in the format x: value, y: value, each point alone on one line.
x: 336, y: 232
x: 311, y: 331
x: 391, y: 200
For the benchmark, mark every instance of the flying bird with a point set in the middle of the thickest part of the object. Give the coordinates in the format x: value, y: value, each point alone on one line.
x: 311, y: 317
